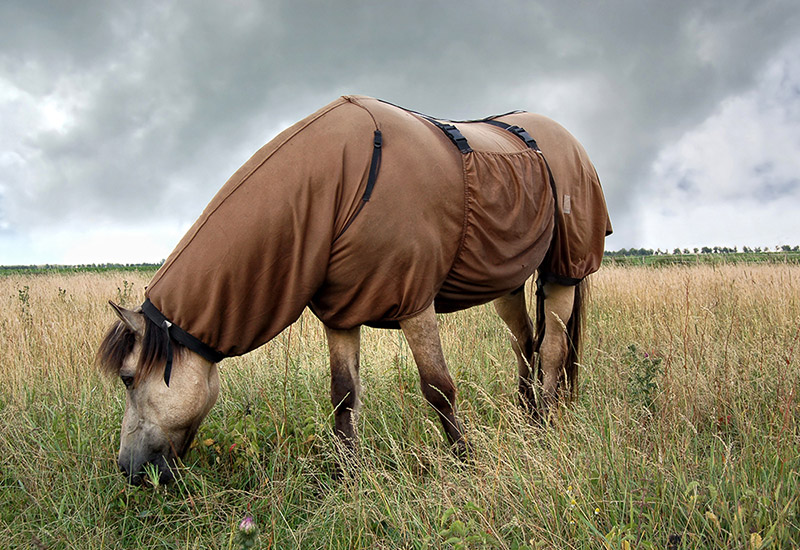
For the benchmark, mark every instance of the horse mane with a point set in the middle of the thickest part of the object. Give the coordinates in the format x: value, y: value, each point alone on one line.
x: 120, y: 341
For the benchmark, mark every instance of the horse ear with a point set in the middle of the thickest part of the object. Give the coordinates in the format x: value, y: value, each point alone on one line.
x: 134, y: 320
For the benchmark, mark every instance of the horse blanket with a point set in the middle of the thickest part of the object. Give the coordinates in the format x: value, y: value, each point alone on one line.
x: 295, y: 226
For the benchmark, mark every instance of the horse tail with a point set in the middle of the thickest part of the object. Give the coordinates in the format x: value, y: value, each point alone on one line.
x: 574, y: 330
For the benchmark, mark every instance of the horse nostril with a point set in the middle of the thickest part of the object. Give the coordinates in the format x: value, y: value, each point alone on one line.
x: 133, y: 479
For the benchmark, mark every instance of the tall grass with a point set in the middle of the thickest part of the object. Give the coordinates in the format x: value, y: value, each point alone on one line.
x: 685, y: 434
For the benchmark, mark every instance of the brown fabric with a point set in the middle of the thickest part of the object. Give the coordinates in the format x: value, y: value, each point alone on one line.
x: 457, y: 229
x: 581, y: 227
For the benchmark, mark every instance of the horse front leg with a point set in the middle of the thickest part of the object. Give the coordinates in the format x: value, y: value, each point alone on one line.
x: 422, y: 334
x: 344, y: 348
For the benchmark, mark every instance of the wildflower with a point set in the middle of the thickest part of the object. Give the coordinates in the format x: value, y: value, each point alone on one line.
x: 597, y: 511
x: 247, y: 525
x: 248, y: 531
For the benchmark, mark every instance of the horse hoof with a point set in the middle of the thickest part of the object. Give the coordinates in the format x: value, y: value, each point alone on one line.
x: 463, y: 450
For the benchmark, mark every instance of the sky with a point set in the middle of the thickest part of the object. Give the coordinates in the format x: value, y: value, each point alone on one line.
x: 120, y: 120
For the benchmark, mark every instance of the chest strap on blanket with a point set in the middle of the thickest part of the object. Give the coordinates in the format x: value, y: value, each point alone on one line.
x: 374, y: 168
x: 374, y: 165
x: 179, y: 335
x: 453, y: 133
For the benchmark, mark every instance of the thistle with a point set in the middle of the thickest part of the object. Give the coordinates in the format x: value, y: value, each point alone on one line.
x: 248, y: 532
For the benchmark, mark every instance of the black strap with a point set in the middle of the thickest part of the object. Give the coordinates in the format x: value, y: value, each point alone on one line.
x: 517, y: 131
x: 453, y: 133
x: 180, y: 336
x: 374, y: 168
x: 168, y: 366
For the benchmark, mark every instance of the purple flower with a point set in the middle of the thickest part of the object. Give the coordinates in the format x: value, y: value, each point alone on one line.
x: 247, y: 526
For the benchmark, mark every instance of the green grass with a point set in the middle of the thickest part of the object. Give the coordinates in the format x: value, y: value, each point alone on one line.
x: 667, y: 260
x: 24, y: 270
x: 686, y: 426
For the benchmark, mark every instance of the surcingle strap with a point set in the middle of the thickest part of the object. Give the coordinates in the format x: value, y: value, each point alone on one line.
x: 453, y: 133
x: 517, y: 131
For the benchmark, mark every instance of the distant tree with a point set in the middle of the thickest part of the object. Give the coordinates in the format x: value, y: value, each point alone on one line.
x: 696, y: 250
x: 786, y: 248
x: 747, y: 249
x: 676, y: 251
x: 705, y: 250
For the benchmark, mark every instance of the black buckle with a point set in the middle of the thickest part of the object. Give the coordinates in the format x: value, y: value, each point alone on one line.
x: 457, y: 137
x: 524, y: 136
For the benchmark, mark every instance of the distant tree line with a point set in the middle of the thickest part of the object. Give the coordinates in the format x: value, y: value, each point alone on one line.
x: 701, y: 250
x: 83, y: 267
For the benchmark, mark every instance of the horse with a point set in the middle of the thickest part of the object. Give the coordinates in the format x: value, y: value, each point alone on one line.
x: 368, y: 214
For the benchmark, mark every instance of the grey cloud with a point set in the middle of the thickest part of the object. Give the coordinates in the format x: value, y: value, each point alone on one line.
x: 172, y: 97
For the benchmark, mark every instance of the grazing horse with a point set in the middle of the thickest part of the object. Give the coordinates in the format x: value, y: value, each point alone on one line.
x: 368, y: 214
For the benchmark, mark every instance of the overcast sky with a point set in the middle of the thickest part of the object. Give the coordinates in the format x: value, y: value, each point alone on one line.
x: 120, y: 120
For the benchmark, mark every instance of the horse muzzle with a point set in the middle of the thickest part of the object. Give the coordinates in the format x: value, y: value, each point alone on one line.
x: 136, y: 473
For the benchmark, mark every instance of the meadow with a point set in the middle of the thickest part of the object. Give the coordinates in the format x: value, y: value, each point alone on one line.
x: 685, y: 434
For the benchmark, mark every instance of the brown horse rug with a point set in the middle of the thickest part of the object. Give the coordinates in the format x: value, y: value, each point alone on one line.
x: 367, y: 213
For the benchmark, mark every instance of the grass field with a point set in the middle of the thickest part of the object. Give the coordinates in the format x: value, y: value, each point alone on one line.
x: 686, y: 433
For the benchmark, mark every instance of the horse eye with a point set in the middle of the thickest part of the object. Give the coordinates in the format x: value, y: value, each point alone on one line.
x: 127, y: 380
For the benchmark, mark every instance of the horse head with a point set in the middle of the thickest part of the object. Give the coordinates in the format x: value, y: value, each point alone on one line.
x: 160, y: 420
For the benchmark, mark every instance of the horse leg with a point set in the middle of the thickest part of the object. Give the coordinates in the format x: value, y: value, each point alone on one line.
x: 345, y: 383
x: 554, y: 347
x: 422, y: 334
x: 512, y: 310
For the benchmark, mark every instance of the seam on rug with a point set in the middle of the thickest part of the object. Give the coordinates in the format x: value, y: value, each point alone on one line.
x: 237, y: 186
x: 467, y: 210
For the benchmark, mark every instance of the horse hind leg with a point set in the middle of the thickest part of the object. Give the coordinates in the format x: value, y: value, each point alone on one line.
x: 344, y: 348
x: 513, y: 311
x: 422, y: 334
x: 558, y: 323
